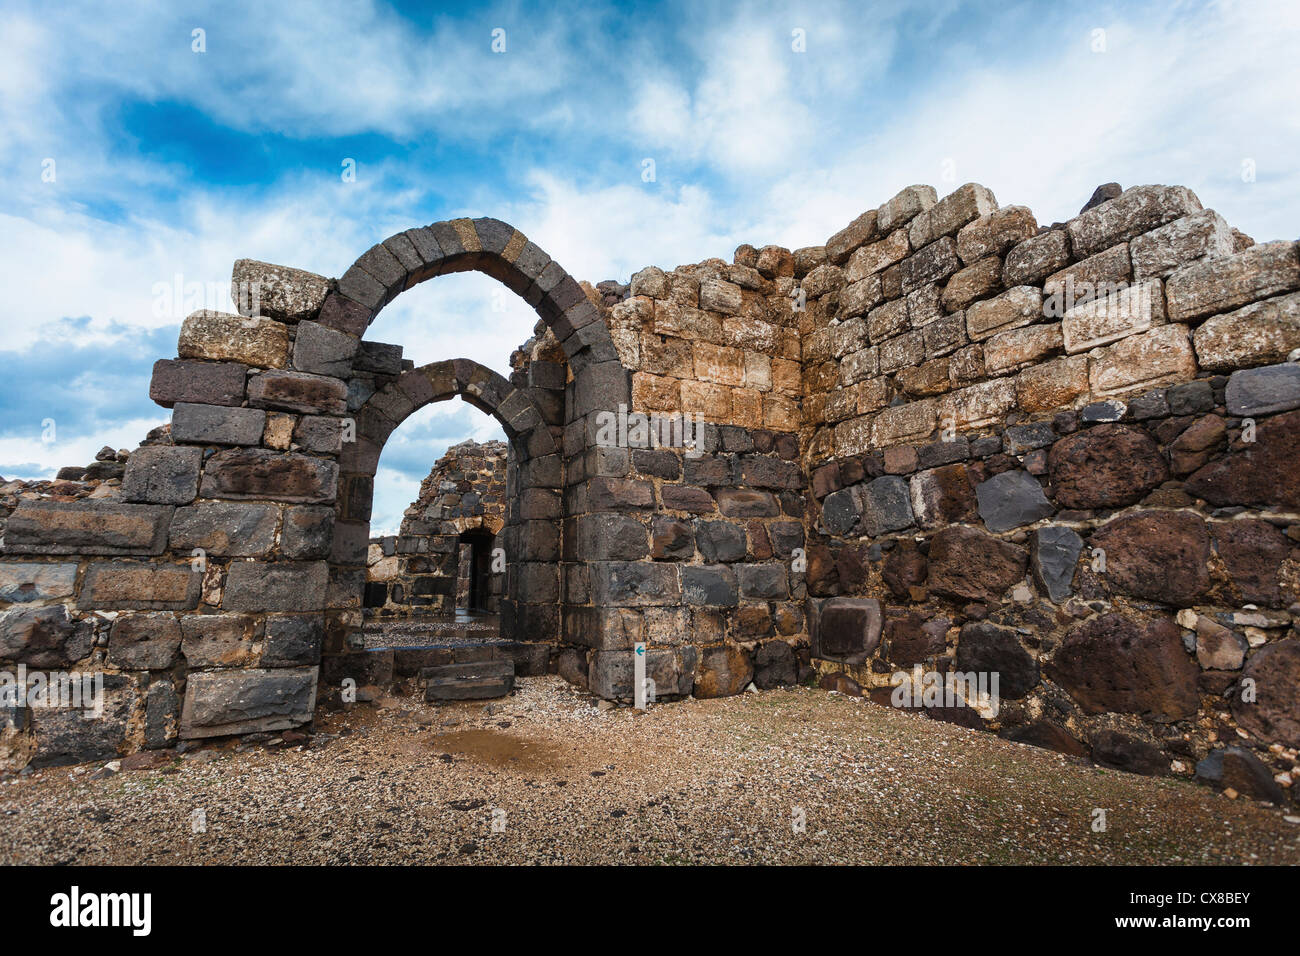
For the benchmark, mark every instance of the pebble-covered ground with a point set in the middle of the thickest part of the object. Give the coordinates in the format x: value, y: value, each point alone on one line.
x: 545, y: 776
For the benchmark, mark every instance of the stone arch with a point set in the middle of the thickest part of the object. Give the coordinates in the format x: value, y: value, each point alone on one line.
x: 489, y: 246
x: 530, y: 610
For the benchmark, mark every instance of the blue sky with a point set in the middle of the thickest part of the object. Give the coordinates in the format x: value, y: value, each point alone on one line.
x: 169, y: 164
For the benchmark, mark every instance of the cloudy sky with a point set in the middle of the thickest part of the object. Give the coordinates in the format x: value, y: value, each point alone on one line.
x: 145, y: 158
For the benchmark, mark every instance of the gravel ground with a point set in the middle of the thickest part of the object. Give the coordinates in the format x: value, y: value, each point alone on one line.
x: 716, y: 781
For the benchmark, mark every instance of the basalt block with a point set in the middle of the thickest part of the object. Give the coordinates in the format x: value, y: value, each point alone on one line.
x: 219, y: 703
x: 847, y: 630
x: 1113, y: 663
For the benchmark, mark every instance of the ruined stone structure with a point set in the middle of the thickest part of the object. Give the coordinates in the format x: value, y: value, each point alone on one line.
x: 441, y: 558
x: 948, y: 439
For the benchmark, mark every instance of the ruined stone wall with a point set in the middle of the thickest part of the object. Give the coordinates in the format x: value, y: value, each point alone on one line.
x: 925, y: 443
x: 1092, y: 498
x: 418, y: 570
x: 208, y: 587
x: 692, y: 549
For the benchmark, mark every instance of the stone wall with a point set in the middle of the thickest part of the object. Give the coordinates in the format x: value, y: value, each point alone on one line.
x: 419, y: 570
x: 1088, y: 497
x: 949, y: 439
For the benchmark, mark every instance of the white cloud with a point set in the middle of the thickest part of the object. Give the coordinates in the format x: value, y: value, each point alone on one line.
x: 34, y: 458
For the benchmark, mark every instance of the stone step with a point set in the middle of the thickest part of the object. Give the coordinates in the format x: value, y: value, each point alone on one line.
x: 478, y: 680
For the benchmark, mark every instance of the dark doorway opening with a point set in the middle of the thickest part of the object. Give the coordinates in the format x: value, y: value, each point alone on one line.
x: 474, y: 580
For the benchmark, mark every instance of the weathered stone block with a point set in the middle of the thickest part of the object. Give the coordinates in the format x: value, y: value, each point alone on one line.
x: 129, y: 585
x: 933, y: 263
x: 276, y: 586
x: 985, y: 648
x: 1015, y: 348
x: 871, y: 258
x: 712, y: 585
x: 633, y: 583
x: 145, y: 641
x: 1055, y: 384
x: 849, y: 239
x: 1274, y: 713
x: 162, y: 474
x: 1036, y: 258
x: 219, y: 703
x: 1263, y: 391
x: 44, y: 636
x: 1053, y: 554
x: 217, y: 425
x: 1108, y: 466
x: 218, y: 640
x: 1138, y: 210
x: 978, y: 405
x: 221, y: 337
x: 1264, y: 332
x: 204, y: 383
x: 943, y: 495
x: 974, y: 565
x: 1011, y: 499
x: 263, y: 473
x: 298, y: 392
x: 747, y: 503
x: 225, y: 530
x: 21, y: 582
x: 995, y: 233
x: 1113, y: 663
x: 886, y: 505
x: 276, y: 292
x: 1162, y: 356
x: 1222, y: 284
x: 904, y: 206
x: 1114, y: 316
x: 307, y: 533
x: 324, y: 351
x: 1012, y: 309
x: 1201, y: 235
x: 950, y: 213
x: 1157, y: 555
x: 979, y: 280
x: 847, y: 630
x: 86, y: 527
x: 291, y: 640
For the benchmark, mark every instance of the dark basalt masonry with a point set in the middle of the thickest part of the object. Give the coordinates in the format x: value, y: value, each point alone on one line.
x: 927, y: 445
x: 421, y: 569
